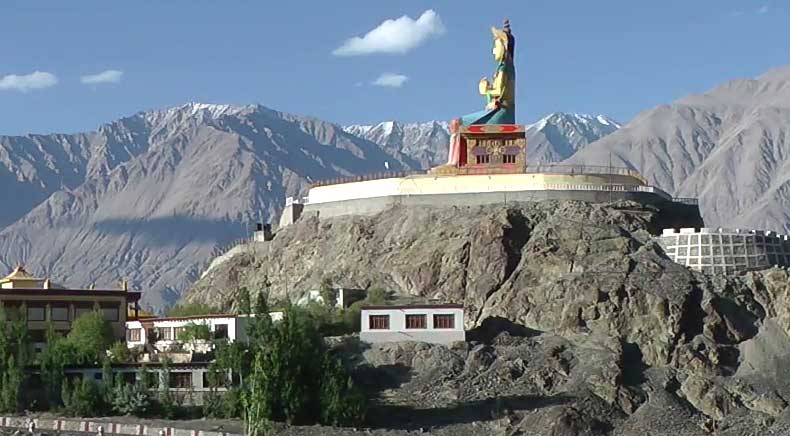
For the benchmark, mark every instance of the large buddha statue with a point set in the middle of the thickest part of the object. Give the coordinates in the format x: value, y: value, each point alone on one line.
x: 499, y: 93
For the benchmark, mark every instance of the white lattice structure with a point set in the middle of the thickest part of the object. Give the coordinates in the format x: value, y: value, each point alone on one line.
x: 726, y: 251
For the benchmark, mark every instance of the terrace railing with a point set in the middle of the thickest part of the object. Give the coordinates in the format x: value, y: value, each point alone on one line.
x: 471, y: 170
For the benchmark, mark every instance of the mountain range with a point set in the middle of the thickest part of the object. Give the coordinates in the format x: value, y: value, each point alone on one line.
x: 152, y: 197
x: 729, y: 146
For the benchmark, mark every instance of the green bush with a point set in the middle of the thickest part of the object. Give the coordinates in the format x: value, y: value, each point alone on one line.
x: 129, y: 399
x: 195, y: 332
x: 120, y: 353
x: 223, y: 404
x: 82, y: 398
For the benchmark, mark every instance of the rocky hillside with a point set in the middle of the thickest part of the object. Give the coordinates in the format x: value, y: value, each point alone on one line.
x: 729, y: 146
x: 581, y: 326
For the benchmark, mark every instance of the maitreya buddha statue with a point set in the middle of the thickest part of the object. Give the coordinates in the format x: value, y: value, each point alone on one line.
x: 499, y: 93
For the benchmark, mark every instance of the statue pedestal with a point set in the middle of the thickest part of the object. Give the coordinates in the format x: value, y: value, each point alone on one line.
x: 488, y: 149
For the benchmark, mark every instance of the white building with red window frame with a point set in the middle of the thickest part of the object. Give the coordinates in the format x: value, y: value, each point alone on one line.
x: 163, y: 333
x: 432, y: 323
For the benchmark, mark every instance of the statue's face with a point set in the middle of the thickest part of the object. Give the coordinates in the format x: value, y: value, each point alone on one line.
x: 499, y: 50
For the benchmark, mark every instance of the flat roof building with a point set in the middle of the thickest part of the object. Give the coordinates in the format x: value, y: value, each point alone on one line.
x: 433, y: 323
x: 44, y: 302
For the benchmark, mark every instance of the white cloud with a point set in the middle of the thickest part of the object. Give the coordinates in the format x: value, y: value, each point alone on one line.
x: 108, y: 76
x: 395, y: 36
x: 27, y: 82
x: 763, y: 10
x: 391, y: 80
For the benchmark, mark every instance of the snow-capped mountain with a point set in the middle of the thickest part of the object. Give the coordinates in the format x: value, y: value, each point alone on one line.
x: 560, y: 135
x: 426, y: 143
x: 551, y: 139
x: 150, y: 197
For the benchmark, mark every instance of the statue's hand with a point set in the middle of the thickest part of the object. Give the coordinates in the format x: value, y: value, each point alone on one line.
x: 483, y: 86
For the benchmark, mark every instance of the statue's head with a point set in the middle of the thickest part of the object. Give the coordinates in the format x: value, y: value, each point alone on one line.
x: 503, y: 43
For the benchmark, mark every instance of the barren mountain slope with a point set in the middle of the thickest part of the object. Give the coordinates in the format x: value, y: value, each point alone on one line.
x: 729, y: 146
x: 200, y: 176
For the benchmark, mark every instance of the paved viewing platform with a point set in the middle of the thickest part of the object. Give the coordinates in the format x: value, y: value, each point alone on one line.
x: 370, y: 194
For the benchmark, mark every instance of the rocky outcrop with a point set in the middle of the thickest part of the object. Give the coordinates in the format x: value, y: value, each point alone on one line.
x: 605, y: 335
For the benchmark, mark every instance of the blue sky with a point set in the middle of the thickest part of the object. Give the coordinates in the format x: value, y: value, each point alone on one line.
x: 615, y: 57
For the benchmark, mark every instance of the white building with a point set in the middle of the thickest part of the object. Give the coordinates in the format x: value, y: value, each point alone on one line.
x: 726, y: 251
x: 434, y: 323
x: 163, y: 333
x: 344, y: 297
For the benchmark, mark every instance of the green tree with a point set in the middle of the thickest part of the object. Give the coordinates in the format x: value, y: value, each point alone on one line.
x: 195, y: 332
x: 91, y: 335
x: 53, y: 359
x: 15, y: 355
x: 328, y: 293
x: 342, y: 403
x: 377, y: 296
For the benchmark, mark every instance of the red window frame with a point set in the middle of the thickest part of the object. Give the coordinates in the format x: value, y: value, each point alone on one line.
x: 416, y: 321
x: 379, y: 322
x: 444, y: 321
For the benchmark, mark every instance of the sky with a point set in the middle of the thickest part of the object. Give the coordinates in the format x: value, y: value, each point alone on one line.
x: 70, y: 66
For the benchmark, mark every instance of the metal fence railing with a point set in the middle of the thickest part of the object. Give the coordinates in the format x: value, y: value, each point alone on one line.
x: 600, y: 170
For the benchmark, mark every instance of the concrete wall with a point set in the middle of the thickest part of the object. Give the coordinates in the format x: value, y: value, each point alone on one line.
x: 466, y: 184
x: 371, y: 206
x: 291, y: 213
x: 726, y: 251
x: 399, y: 333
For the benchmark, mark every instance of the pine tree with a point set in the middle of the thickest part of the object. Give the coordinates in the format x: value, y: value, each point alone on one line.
x: 342, y: 403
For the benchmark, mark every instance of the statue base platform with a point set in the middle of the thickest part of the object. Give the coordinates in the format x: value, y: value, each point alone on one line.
x: 486, y: 148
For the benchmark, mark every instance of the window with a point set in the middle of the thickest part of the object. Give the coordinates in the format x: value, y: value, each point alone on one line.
x: 129, y: 378
x: 416, y: 322
x: 82, y: 310
x: 133, y: 335
x: 110, y: 313
x: 178, y: 332
x: 165, y: 333
x: 444, y: 321
x: 483, y: 158
x: 220, y: 331
x: 215, y: 379
x: 379, y: 322
x: 180, y: 380
x: 59, y: 313
x: 508, y: 158
x: 35, y: 314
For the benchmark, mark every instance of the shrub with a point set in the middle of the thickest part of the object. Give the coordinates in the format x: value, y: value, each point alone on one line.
x: 119, y: 353
x: 195, y: 332
x: 129, y: 399
x: 223, y: 405
x: 83, y: 398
